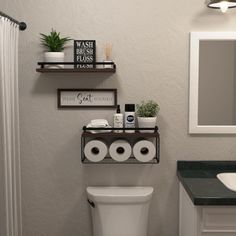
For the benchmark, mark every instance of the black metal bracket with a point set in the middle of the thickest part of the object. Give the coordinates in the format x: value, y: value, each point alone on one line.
x: 22, y: 25
x: 91, y: 203
x: 155, y: 129
x: 42, y: 64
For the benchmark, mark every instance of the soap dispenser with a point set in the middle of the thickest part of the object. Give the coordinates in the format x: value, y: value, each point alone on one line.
x: 118, y: 120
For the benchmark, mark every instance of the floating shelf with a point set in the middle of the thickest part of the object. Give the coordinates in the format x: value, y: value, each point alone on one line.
x: 109, y: 136
x: 71, y: 67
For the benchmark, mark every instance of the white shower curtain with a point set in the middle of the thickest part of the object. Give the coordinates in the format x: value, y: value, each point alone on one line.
x: 9, y: 127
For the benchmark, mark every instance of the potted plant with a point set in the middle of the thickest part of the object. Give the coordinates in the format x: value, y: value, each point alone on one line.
x: 55, y: 45
x: 147, y: 114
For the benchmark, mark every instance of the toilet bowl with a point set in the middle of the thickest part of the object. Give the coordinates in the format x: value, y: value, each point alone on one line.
x: 119, y: 211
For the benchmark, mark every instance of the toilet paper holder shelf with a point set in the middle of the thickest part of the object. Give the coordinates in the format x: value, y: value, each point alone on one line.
x: 109, y: 135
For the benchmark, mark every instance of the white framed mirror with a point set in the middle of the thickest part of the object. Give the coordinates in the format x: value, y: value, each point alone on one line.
x: 212, y: 97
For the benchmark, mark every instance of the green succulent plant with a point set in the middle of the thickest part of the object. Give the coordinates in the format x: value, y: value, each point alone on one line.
x: 147, y: 109
x: 53, y: 41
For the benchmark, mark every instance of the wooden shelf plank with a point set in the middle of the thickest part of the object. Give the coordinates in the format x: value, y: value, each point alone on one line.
x: 131, y: 160
x: 121, y: 135
x: 73, y: 70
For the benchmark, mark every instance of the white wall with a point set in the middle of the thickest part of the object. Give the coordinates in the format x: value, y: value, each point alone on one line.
x: 151, y: 49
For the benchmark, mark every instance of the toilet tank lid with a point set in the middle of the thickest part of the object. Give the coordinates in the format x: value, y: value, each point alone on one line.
x: 120, y: 191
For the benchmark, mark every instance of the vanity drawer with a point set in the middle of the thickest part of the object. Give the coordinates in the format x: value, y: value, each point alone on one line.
x: 219, y: 220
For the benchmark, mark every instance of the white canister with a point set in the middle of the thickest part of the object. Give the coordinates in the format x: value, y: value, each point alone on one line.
x: 118, y: 120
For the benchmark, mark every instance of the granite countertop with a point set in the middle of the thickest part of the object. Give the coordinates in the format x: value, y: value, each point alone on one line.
x: 200, y: 181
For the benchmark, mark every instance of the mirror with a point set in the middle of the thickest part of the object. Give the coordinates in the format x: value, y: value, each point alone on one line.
x: 212, y: 106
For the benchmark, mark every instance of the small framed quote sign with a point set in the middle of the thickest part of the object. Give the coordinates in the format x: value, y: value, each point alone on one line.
x: 93, y: 98
x: 85, y: 51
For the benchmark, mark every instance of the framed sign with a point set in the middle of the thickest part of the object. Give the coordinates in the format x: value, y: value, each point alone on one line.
x: 85, y: 51
x: 93, y: 98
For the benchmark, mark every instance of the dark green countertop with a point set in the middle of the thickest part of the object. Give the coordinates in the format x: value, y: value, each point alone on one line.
x: 200, y: 181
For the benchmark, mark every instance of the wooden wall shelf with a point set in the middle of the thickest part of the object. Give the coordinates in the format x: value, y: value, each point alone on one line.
x: 111, y: 136
x: 68, y: 70
x: 70, y: 67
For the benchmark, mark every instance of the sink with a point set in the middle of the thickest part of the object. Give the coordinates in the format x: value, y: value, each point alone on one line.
x: 228, y: 179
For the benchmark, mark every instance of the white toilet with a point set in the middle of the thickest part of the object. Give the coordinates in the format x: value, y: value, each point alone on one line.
x: 119, y: 211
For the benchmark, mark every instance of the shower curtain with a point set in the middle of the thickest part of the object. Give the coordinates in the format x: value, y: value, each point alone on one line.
x: 9, y: 129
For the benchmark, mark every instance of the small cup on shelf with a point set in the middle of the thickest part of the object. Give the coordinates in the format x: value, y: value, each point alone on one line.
x: 107, y: 52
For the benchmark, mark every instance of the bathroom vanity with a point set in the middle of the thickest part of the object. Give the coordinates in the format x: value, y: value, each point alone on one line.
x: 206, y: 206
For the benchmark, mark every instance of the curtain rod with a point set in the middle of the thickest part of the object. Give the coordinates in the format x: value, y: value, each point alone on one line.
x: 22, y: 25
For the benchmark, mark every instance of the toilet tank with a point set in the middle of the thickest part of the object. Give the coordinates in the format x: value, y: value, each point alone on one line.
x: 119, y: 211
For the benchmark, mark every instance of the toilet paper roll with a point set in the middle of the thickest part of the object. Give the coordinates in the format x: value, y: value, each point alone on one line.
x: 95, y: 150
x: 144, y: 150
x: 120, y: 150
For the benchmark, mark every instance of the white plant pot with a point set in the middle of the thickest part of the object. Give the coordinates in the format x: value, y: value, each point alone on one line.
x: 54, y: 57
x: 147, y: 122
